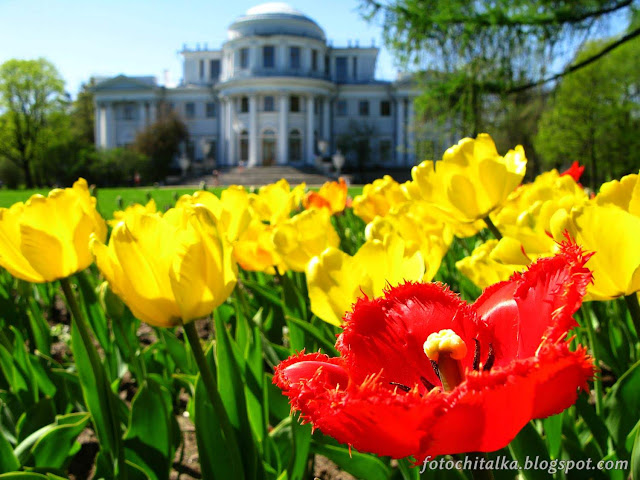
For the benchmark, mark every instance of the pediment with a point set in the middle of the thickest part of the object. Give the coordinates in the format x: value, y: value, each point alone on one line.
x: 123, y: 82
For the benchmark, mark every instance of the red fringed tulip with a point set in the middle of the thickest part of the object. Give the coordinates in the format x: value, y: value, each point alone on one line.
x: 424, y: 373
x: 575, y: 171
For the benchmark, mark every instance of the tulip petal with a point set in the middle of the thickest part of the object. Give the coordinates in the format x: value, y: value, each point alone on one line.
x: 11, y: 258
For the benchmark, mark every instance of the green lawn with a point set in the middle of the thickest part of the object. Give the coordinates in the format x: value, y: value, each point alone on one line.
x: 108, y: 197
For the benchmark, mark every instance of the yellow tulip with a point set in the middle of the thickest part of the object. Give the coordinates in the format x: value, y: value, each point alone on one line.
x: 47, y: 238
x: 482, y: 267
x: 304, y: 236
x: 168, y: 269
x: 332, y: 196
x: 378, y: 198
x: 420, y: 230
x: 274, y: 203
x: 231, y: 209
x: 255, y: 251
x: 135, y: 209
x: 624, y: 194
x: 471, y: 180
x: 336, y: 280
x: 612, y: 233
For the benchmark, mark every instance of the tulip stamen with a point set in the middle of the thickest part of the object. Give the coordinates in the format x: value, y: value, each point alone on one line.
x: 476, y: 355
x: 401, y: 386
x: 446, y: 349
x: 490, y: 359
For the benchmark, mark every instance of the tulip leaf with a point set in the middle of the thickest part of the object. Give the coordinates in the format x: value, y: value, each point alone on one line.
x: 8, y: 460
x: 593, y: 421
x: 528, y: 445
x: 98, y: 395
x: 39, y: 327
x: 316, y: 334
x: 178, y: 352
x: 635, y: 456
x: 301, y: 436
x: 148, y: 440
x: 553, y: 433
x: 231, y: 384
x: 54, y: 448
x: 29, y: 476
x: 360, y: 465
x: 264, y: 292
x: 35, y: 417
x: 621, y: 403
x: 215, y: 457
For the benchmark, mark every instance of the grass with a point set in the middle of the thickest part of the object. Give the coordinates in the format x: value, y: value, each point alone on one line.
x: 108, y: 197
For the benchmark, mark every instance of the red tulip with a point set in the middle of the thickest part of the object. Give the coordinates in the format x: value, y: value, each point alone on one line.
x: 575, y: 171
x: 509, y: 362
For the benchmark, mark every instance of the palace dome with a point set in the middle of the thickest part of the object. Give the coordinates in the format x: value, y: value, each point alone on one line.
x: 275, y: 18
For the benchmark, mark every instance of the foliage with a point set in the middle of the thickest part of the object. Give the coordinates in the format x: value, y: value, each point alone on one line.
x: 161, y: 141
x: 355, y: 144
x: 30, y: 92
x: 593, y: 116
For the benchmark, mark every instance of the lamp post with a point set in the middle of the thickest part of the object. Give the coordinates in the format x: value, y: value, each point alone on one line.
x: 184, y: 163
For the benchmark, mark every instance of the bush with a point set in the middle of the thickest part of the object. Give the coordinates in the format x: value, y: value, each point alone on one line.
x: 117, y: 167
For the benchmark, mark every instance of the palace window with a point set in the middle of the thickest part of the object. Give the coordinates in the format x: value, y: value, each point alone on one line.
x: 294, y: 103
x: 341, y: 69
x: 314, y: 60
x: 244, y: 58
x: 190, y: 110
x: 341, y: 108
x: 214, y: 69
x: 211, y: 109
x: 385, y: 150
x: 244, y: 104
x: 268, y: 104
x: 294, y: 57
x: 268, y: 56
x: 385, y: 108
x: 363, y: 108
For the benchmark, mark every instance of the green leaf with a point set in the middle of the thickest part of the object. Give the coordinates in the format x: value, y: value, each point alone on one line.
x: 8, y: 461
x: 29, y: 476
x: 301, y: 436
x: 317, y: 335
x: 231, y: 384
x: 54, y: 448
x: 215, y: 459
x: 178, y: 352
x: 264, y: 292
x: 35, y: 417
x: 148, y: 440
x: 527, y: 445
x: 635, y: 457
x: 360, y: 465
x: 553, y: 433
x: 622, y: 403
x: 593, y: 420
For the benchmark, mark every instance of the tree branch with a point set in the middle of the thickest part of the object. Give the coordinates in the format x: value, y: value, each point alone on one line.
x: 577, y: 66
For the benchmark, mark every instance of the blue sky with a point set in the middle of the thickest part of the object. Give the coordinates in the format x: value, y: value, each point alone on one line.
x: 86, y: 37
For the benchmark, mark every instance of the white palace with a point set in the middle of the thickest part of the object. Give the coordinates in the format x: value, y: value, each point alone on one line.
x: 275, y: 93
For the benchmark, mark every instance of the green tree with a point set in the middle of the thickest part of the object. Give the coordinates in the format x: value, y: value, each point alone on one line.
x: 594, y: 116
x: 83, y: 114
x: 161, y: 141
x: 476, y: 53
x: 31, y: 91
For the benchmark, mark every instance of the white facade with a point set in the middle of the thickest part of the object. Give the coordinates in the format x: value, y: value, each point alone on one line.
x: 273, y: 94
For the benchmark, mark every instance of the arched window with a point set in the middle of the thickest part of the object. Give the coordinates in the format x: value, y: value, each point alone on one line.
x: 244, y: 146
x: 295, y: 145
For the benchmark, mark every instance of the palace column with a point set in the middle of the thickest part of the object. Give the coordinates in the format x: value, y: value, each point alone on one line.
x: 97, y: 126
x: 253, y: 130
x: 411, y: 134
x: 142, y: 122
x: 308, y: 159
x: 109, y: 126
x: 283, y: 155
x: 400, y: 144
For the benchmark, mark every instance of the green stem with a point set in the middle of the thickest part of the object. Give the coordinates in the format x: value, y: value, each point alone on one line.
x: 587, y: 319
x: 634, y: 310
x: 492, y: 227
x: 83, y: 329
x: 214, y: 396
x: 480, y: 473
